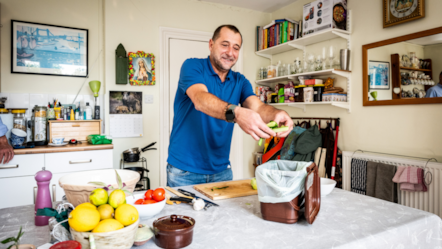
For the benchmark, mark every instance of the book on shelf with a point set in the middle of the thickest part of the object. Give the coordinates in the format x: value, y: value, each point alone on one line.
x: 279, y: 21
x: 283, y: 30
x: 265, y: 38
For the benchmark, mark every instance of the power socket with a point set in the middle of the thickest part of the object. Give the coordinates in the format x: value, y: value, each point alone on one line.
x: 148, y: 99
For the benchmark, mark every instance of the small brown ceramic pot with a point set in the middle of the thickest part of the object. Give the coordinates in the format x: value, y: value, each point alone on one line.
x: 173, y: 232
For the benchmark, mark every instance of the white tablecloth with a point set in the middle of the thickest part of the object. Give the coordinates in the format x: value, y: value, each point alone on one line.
x: 346, y: 220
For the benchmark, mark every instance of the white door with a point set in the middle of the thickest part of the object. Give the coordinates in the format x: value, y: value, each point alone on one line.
x: 179, y: 51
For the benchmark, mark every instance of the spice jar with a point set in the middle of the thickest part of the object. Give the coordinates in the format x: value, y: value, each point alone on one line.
x: 300, y: 97
x: 20, y: 120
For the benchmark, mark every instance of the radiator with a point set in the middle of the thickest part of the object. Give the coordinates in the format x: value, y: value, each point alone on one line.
x: 430, y: 201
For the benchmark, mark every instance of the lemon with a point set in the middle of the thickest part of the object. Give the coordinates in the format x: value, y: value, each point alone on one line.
x: 98, y: 197
x: 126, y: 214
x: 84, y: 218
x: 106, y: 211
x: 87, y: 205
x: 116, y: 198
x: 107, y: 225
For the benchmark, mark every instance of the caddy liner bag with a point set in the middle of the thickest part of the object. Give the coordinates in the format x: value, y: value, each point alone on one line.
x: 284, y: 187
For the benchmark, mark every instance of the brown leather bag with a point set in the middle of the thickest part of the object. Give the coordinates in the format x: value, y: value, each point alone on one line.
x: 288, y: 212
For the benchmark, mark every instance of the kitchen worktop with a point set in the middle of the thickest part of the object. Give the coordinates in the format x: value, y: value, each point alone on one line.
x: 346, y: 220
x: 84, y: 146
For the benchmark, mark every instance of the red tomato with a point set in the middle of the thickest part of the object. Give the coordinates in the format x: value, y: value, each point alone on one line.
x: 159, y: 194
x: 139, y: 201
x: 148, y: 194
x: 149, y: 202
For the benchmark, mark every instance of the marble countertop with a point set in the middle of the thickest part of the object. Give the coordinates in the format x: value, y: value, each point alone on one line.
x: 346, y: 220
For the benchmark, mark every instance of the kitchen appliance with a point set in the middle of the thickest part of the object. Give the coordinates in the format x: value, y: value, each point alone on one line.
x: 43, y: 199
x: 95, y: 87
x: 173, y: 232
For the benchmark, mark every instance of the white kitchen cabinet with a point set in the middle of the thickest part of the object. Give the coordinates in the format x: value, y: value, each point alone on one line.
x: 17, y: 177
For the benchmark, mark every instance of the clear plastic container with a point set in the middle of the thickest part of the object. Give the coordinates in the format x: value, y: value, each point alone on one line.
x: 88, y: 112
x: 20, y: 120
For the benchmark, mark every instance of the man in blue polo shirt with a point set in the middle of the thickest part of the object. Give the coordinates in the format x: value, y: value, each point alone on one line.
x: 435, y: 91
x: 205, y: 109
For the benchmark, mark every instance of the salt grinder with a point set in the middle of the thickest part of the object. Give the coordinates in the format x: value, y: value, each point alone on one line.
x: 43, y: 199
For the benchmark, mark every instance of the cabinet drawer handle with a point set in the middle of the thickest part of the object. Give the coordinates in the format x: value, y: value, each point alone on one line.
x: 85, y: 161
x: 9, y: 166
x: 54, y: 195
x: 76, y: 125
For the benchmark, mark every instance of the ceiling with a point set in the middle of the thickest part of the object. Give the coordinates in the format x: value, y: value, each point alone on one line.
x: 258, y: 5
x: 427, y: 40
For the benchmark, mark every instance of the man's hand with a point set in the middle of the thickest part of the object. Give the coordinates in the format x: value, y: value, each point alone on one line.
x: 252, y: 124
x: 282, y: 118
x: 6, y: 151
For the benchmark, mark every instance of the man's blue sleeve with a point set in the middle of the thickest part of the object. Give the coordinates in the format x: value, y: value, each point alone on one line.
x: 246, y: 90
x: 3, y: 128
x: 192, y: 72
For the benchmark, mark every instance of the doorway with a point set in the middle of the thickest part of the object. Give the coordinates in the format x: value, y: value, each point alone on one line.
x: 172, y: 56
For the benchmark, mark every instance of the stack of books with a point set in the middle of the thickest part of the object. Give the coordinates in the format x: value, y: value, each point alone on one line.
x: 277, y: 32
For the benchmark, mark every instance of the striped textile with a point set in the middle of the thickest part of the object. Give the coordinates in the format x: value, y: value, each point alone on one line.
x: 358, y: 176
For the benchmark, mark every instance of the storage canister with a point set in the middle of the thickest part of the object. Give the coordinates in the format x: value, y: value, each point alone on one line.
x: 300, y: 97
x: 19, y: 119
x: 173, y: 232
x: 308, y: 94
x: 317, y: 92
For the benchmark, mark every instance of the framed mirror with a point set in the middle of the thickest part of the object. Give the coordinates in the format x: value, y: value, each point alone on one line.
x: 403, y: 70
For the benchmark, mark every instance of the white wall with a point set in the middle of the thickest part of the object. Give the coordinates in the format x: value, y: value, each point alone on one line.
x: 411, y: 130
x: 434, y: 52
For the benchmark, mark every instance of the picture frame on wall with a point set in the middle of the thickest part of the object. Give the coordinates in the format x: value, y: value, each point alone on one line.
x: 402, y: 11
x: 379, y: 75
x: 46, y: 49
x: 141, y: 68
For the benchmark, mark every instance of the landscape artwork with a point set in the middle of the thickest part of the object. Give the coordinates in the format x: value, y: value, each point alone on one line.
x: 379, y: 73
x: 125, y: 102
x: 48, y: 49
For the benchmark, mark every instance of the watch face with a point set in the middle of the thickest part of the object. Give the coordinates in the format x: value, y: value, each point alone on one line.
x: 402, y: 8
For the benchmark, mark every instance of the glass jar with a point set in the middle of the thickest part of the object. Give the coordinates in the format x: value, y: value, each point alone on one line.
x: 40, y: 111
x: 300, y: 97
x: 19, y: 119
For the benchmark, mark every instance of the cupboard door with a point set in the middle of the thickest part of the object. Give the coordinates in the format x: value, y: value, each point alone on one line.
x: 17, y: 191
x: 22, y: 165
x: 78, y: 161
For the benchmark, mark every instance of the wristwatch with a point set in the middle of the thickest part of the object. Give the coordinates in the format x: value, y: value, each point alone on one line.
x: 230, y: 113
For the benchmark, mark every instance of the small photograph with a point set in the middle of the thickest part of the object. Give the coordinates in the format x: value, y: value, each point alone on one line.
x: 319, y: 13
x: 312, y: 13
x: 319, y: 21
x: 125, y: 102
x: 379, y: 72
x: 319, y: 5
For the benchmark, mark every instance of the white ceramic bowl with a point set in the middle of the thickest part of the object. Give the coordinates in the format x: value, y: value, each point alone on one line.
x: 147, y: 210
x: 76, y: 185
x: 327, y: 186
x: 57, y: 140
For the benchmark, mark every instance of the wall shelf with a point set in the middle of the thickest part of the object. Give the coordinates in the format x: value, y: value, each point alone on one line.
x: 303, y: 105
x: 415, y: 69
x: 268, y: 82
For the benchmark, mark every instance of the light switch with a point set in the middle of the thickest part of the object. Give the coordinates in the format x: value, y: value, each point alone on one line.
x: 148, y: 99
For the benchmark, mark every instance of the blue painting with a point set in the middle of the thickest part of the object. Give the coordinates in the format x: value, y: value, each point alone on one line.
x: 379, y: 72
x: 50, y: 50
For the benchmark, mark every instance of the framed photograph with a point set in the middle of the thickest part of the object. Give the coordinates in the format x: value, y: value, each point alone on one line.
x: 401, y: 11
x: 379, y: 75
x: 121, y: 102
x: 141, y: 68
x: 45, y: 49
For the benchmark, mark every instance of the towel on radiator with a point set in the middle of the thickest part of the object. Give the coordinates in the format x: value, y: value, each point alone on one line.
x: 410, y: 179
x: 358, y: 176
x: 385, y: 188
x: 371, y: 178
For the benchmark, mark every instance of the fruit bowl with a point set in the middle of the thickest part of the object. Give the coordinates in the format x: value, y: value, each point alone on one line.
x: 147, y: 210
x: 119, y: 239
x: 76, y: 185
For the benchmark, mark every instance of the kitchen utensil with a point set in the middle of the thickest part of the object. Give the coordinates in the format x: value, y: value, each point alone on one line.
x: 197, y: 203
x: 77, y: 189
x: 148, y: 146
x: 43, y: 199
x: 327, y: 186
x: 120, y: 239
x: 345, y: 59
x: 235, y: 189
x: 173, y: 232
x: 148, y: 210
x: 95, y: 87
x: 176, y: 192
x: 288, y: 212
x: 187, y: 193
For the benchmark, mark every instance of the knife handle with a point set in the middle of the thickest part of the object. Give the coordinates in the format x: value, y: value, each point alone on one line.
x: 183, y: 199
x: 184, y: 192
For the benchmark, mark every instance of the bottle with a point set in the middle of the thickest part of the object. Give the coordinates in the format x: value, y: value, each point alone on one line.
x: 88, y: 112
x: 72, y: 115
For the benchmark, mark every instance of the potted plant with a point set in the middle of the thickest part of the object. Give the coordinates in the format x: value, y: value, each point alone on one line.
x: 16, y: 242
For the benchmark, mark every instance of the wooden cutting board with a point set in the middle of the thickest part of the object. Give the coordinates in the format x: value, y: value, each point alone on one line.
x: 235, y: 189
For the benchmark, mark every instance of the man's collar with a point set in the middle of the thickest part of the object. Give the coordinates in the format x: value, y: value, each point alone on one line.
x: 229, y: 74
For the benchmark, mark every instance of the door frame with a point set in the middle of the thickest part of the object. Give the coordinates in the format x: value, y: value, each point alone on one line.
x: 166, y: 34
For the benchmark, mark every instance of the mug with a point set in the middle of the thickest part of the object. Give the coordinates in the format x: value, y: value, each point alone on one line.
x: 57, y: 140
x: 17, y: 137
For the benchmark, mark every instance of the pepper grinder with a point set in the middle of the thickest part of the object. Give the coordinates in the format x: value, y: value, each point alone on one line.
x: 43, y: 199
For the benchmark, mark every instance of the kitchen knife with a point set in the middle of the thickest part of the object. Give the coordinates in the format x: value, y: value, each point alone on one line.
x: 183, y: 199
x: 184, y: 192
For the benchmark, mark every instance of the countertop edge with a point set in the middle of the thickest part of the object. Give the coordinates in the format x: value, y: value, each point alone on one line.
x: 68, y: 148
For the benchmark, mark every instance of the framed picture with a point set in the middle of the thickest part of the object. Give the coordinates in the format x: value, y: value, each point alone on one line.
x: 141, y: 68
x: 122, y: 102
x: 401, y: 11
x: 48, y: 49
x: 379, y: 75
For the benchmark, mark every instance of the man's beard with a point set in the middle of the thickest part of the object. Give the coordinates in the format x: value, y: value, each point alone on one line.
x: 220, y: 66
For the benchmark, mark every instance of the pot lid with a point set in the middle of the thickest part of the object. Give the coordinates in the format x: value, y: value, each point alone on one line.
x: 174, y: 223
